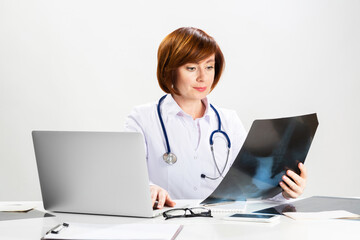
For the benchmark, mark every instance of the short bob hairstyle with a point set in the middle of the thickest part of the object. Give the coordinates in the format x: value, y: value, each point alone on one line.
x: 182, y: 46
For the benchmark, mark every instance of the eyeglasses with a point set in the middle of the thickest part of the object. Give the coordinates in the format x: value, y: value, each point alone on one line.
x: 187, y: 212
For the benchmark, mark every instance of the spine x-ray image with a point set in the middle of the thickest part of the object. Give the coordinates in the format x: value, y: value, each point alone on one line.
x: 271, y: 147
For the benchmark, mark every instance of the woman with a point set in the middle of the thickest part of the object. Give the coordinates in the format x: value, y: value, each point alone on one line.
x: 190, y: 64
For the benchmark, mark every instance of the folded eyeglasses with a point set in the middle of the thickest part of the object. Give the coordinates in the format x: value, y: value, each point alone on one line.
x: 187, y: 212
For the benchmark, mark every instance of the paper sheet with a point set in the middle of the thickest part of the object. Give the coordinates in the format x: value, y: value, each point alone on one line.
x: 12, y: 207
x: 236, y: 207
x: 117, y: 231
x: 321, y: 215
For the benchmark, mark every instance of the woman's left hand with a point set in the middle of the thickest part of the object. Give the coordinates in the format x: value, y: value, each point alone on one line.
x: 295, y: 184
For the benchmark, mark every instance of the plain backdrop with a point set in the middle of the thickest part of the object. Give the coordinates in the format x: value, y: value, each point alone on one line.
x: 83, y: 65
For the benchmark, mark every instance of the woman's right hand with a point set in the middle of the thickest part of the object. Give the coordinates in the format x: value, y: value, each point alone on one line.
x: 162, y: 196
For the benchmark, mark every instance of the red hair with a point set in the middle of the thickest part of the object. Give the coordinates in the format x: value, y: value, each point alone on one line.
x: 186, y: 45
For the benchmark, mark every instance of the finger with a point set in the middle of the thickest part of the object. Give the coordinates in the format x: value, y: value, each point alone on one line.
x: 291, y: 184
x: 169, y: 202
x: 288, y: 191
x: 303, y: 170
x: 161, y: 198
x: 296, y: 178
x: 153, y: 194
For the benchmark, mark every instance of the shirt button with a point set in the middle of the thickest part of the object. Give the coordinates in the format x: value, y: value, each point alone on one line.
x: 195, y: 157
x: 195, y: 188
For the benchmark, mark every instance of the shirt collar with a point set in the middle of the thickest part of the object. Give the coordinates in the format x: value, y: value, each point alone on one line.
x: 169, y: 107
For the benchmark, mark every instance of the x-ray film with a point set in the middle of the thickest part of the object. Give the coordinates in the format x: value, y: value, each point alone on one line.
x: 272, y: 146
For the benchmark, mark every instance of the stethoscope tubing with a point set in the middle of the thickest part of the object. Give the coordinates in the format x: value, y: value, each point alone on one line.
x: 163, y: 125
x: 168, y: 153
x: 219, y: 129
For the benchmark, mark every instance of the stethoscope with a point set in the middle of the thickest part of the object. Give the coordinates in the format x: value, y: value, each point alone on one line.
x: 171, y: 158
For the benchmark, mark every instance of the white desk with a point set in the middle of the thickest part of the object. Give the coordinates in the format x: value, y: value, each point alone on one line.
x: 197, y: 228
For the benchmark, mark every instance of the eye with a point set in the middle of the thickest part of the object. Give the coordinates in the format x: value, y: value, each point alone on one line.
x: 210, y: 67
x: 191, y: 69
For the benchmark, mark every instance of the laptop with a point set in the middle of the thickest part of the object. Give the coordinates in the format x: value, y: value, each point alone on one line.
x: 94, y: 173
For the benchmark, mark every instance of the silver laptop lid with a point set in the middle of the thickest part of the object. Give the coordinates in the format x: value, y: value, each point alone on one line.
x: 93, y: 172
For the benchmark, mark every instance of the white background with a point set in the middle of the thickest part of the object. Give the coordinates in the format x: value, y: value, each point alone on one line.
x: 83, y: 65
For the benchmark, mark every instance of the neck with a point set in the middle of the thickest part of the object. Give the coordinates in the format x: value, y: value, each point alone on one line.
x: 194, y: 107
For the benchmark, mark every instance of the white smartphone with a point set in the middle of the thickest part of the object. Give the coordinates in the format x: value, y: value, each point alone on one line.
x: 252, y: 217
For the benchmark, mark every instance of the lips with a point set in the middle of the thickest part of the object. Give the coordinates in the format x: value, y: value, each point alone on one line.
x: 200, y: 89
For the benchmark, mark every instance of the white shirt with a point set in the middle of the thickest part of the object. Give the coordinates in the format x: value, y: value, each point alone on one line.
x: 189, y: 141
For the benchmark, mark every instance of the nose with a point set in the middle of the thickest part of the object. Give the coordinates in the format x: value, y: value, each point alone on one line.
x: 200, y: 75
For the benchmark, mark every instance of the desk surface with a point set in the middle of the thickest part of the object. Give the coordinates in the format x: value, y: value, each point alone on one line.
x: 197, y: 228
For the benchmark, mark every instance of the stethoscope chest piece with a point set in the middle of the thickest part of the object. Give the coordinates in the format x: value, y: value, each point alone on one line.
x: 169, y: 158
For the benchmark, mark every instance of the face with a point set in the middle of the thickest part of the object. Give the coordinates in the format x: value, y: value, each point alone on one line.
x: 194, y: 80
